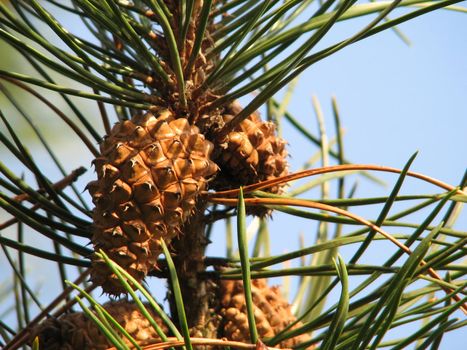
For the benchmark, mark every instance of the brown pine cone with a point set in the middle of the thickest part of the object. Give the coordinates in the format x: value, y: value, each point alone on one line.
x: 75, y: 331
x: 150, y: 172
x: 272, y: 312
x: 249, y: 154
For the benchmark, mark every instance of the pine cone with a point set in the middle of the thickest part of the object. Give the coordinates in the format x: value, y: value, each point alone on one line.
x: 75, y: 331
x: 252, y: 152
x: 150, y: 171
x: 272, y: 312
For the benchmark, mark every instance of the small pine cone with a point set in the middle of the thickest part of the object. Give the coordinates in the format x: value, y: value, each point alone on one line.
x: 272, y: 313
x: 252, y: 153
x: 150, y: 171
x: 75, y: 331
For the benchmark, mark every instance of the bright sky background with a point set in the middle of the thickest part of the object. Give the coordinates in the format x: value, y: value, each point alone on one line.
x: 396, y: 99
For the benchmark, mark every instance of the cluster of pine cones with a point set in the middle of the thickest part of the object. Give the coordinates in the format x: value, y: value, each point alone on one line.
x: 74, y: 331
x: 151, y: 171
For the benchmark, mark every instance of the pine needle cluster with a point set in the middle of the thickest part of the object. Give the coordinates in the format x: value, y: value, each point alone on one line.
x: 176, y: 104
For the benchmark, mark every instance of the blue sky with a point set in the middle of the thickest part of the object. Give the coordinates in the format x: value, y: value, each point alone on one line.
x: 395, y: 100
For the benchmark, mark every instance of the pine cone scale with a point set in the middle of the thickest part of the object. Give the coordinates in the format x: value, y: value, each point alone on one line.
x: 272, y: 313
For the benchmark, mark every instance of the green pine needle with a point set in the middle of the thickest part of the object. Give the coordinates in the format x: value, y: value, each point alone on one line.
x: 245, y: 263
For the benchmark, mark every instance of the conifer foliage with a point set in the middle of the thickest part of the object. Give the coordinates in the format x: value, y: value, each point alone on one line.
x: 185, y: 137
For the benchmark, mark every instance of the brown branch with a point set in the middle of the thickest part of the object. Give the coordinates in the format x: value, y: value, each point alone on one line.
x: 60, y: 185
x: 330, y: 169
x: 174, y: 342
